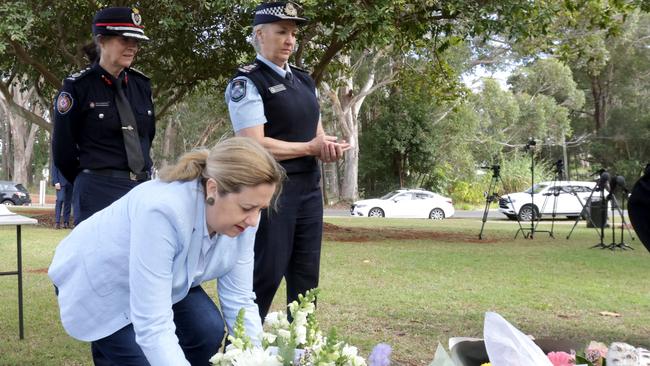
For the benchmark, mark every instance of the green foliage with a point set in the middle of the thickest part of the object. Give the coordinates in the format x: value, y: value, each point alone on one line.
x: 468, y: 192
x: 516, y: 171
x: 239, y: 337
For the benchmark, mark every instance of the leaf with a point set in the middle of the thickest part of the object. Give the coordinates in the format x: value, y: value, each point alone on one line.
x: 609, y: 313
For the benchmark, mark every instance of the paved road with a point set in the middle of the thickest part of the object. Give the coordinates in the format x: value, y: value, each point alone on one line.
x: 493, y: 214
x: 461, y: 214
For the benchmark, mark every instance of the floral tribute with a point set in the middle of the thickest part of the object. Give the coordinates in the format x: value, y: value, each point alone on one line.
x: 299, y: 342
x: 598, y: 354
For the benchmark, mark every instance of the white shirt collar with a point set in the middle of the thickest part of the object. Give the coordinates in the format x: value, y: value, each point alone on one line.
x: 279, y: 70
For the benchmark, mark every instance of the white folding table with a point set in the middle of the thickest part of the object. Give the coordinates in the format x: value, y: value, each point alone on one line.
x: 9, y: 218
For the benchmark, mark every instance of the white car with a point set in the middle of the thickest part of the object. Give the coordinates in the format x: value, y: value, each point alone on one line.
x: 408, y: 203
x: 569, y: 196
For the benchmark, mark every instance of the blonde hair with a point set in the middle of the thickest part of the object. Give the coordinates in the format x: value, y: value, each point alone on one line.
x: 234, y: 163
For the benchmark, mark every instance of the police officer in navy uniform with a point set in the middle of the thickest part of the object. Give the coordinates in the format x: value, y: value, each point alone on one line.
x: 276, y: 103
x: 104, y: 120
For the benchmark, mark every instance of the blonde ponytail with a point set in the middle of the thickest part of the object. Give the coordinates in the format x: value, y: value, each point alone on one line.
x: 190, y: 166
x: 233, y: 163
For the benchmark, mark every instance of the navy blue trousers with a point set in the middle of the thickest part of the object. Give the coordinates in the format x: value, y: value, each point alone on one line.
x: 63, y: 203
x: 93, y: 193
x: 288, y: 241
x: 199, y: 328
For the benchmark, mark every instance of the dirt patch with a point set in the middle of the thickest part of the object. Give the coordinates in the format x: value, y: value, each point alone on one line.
x: 36, y: 270
x: 333, y: 232
x: 45, y: 217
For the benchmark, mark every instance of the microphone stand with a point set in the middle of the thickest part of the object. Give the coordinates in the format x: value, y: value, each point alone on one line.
x: 622, y: 244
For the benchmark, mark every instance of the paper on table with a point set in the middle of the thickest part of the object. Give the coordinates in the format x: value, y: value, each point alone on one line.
x: 441, y: 358
x: 507, y: 346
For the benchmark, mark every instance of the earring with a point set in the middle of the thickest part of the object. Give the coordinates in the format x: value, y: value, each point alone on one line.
x: 209, y: 201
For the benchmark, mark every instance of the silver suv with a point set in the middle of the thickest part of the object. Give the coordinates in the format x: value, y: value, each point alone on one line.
x: 569, y: 196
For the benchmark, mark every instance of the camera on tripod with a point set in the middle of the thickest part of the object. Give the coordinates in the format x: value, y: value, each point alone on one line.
x: 530, y: 144
x: 495, y: 168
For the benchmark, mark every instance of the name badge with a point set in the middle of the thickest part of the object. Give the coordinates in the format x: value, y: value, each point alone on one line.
x: 277, y: 88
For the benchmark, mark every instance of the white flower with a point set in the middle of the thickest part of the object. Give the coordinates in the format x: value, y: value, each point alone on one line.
x: 357, y: 361
x: 300, y: 318
x: 294, y: 307
x: 301, y: 334
x: 283, y: 333
x: 309, y: 308
x: 269, y: 337
x: 272, y: 319
x: 349, y: 351
x: 256, y: 357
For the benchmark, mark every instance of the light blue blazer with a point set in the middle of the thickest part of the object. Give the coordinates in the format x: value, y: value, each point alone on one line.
x: 131, y: 261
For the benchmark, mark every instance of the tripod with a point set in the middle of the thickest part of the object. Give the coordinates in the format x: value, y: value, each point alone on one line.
x: 587, y: 212
x: 618, y: 181
x: 556, y: 190
x: 491, y: 196
x: 530, y: 147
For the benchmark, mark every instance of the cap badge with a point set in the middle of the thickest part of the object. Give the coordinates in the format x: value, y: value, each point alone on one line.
x: 136, y: 17
x: 290, y: 10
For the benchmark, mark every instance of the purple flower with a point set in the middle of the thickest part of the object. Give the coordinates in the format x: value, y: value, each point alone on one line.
x: 380, y: 355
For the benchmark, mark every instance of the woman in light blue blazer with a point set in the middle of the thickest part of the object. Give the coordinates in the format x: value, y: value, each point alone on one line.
x: 128, y: 278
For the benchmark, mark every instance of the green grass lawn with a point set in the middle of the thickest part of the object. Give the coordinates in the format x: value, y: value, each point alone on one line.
x: 412, y: 293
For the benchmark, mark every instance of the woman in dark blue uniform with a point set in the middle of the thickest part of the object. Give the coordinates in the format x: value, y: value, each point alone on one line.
x: 104, y: 117
x: 276, y: 104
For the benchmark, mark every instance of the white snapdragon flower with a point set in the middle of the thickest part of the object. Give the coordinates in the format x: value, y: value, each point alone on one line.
x: 256, y: 357
x: 283, y: 333
x: 357, y: 361
x: 350, y: 351
x: 269, y: 337
x: 309, y: 308
x: 272, y: 319
x: 301, y: 334
x: 300, y: 318
x: 294, y: 307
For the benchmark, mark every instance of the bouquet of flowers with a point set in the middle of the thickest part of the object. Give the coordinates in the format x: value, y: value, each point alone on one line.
x: 296, y: 342
x: 598, y: 354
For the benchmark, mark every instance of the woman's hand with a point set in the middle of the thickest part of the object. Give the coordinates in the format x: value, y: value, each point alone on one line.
x: 327, y: 148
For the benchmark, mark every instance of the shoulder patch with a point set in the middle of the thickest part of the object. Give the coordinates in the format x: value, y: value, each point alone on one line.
x: 249, y: 68
x: 138, y: 72
x: 237, y: 90
x: 64, y: 103
x: 299, y: 69
x: 79, y: 74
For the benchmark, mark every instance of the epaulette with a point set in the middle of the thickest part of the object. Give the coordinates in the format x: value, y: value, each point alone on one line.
x: 79, y: 74
x: 249, y: 68
x: 300, y: 69
x: 138, y: 72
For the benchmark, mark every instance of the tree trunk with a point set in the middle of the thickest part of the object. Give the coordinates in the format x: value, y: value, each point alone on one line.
x: 6, y: 146
x: 600, y: 85
x: 350, y: 186
x: 169, y: 141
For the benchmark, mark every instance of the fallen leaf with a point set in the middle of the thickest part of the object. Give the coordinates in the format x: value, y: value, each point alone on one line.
x: 609, y: 313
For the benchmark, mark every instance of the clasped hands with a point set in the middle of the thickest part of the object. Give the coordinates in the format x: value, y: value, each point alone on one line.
x: 328, y: 149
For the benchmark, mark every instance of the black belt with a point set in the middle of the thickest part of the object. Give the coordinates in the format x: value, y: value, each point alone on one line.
x: 115, y: 173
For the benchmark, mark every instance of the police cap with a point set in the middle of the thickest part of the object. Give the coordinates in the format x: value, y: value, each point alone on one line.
x: 277, y: 11
x: 119, y: 21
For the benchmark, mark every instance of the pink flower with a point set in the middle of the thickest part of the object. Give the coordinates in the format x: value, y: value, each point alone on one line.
x: 596, y: 350
x: 561, y: 359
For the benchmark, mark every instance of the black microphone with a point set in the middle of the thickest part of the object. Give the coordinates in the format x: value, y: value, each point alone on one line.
x: 602, y: 182
x: 620, y: 181
x: 613, y: 184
